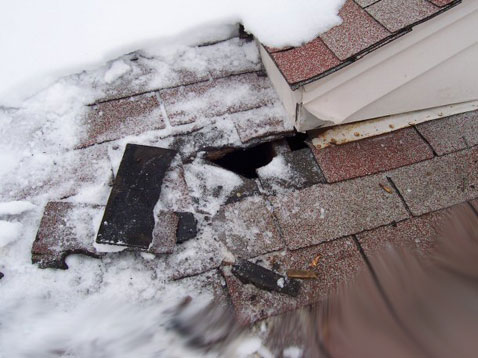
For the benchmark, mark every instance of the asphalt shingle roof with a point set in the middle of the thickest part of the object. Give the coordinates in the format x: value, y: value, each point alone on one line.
x: 367, y: 24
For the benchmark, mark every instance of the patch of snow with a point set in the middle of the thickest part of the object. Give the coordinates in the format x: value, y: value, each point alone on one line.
x: 147, y: 256
x: 108, y: 248
x: 249, y: 346
x: 117, y: 69
x: 9, y: 232
x: 281, y: 282
x: 292, y: 352
x: 92, y: 32
x: 279, y: 175
x: 174, y: 191
x: 92, y: 194
x: 210, y: 185
x: 15, y: 207
x: 277, y: 168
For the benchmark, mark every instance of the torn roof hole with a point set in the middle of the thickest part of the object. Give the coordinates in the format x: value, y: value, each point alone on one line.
x: 245, y: 161
x: 298, y: 141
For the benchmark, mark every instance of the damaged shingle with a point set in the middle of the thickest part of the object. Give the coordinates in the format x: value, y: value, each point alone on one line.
x: 187, y: 227
x: 65, y: 229
x: 265, y: 279
x: 129, y: 219
x: 291, y: 170
x: 212, y: 186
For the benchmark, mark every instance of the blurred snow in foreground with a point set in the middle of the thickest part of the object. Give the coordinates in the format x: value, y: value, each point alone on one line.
x: 43, y: 40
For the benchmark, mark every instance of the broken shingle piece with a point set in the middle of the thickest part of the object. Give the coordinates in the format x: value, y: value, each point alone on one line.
x: 337, y: 262
x: 265, y: 279
x: 164, y: 233
x: 143, y: 168
x: 212, y: 186
x: 292, y: 170
x: 129, y: 215
x: 187, y: 227
x: 65, y: 229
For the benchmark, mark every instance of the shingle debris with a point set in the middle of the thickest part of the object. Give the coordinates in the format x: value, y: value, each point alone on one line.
x: 187, y: 227
x: 129, y: 219
x: 297, y: 170
x: 338, y: 262
x: 65, y: 229
x: 248, y: 272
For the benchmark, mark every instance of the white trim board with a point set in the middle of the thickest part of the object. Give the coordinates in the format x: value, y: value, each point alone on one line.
x: 351, y: 132
x: 430, y: 67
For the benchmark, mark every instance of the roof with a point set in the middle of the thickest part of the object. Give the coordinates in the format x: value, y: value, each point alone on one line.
x: 367, y: 25
x: 330, y: 208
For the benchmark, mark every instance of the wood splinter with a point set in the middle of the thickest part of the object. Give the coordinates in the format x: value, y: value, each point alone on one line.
x: 302, y: 274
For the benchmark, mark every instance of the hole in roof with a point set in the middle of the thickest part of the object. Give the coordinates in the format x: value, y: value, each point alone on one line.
x: 245, y: 161
x: 298, y: 141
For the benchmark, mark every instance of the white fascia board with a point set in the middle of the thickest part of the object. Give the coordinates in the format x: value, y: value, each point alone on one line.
x: 428, y: 67
x: 342, y: 96
x: 351, y: 132
x: 289, y: 98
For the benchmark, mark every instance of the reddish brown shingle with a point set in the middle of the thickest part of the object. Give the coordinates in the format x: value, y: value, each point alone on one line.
x: 372, y: 155
x: 362, y: 31
x: 215, y: 98
x: 115, y: 119
x: 357, y: 32
x: 65, y: 229
x: 442, y: 2
x: 398, y: 14
x: 365, y: 3
x: 305, y: 62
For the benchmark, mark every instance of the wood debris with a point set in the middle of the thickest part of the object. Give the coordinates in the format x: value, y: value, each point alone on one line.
x: 386, y: 188
x: 302, y: 274
x: 315, y: 261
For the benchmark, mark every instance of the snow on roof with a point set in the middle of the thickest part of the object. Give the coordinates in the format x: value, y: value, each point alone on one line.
x: 93, y: 32
x: 367, y: 25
